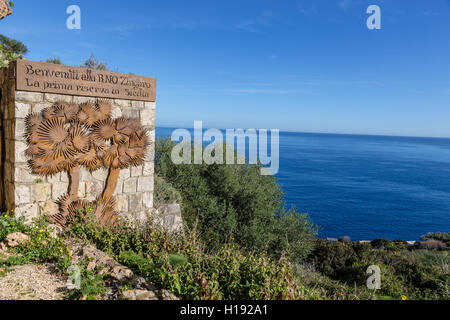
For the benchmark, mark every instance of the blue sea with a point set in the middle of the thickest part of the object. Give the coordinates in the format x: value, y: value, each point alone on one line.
x: 366, y: 187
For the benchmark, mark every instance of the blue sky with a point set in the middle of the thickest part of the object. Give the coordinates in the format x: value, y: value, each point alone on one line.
x: 310, y: 66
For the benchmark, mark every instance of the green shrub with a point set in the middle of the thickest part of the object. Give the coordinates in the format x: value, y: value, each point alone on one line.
x: 8, y: 225
x: 182, y: 264
x: 418, y: 274
x: 10, y: 50
x: 295, y: 236
x: 91, y: 283
x: 379, y: 243
x: 442, y: 236
x: 235, y: 201
x: 40, y: 248
x: 432, y: 244
x: 165, y: 193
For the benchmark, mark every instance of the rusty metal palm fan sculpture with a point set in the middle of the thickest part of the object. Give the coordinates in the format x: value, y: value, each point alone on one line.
x: 65, y: 136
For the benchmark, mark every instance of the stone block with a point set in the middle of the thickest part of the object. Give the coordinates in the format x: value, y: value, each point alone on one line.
x: 59, y: 189
x: 20, y: 129
x: 116, y: 112
x: 20, y: 148
x: 38, y: 107
x: 119, y: 187
x: 135, y: 202
x: 49, y: 208
x: 169, y: 215
x: 82, y: 190
x: 130, y: 185
x: 130, y: 113
x: 100, y: 174
x: 152, y: 135
x: 93, y: 190
x: 125, y: 173
x: 147, y: 117
x: 150, y: 105
x: 137, y: 104
x: 22, y: 174
x: 85, y: 175
x: 22, y: 109
x: 122, y: 103
x: 54, y: 178
x: 78, y: 99
x: 136, y: 171
x: 29, y: 97
x: 22, y: 194
x: 64, y: 177
x: 41, y: 192
x: 122, y: 203
x: 150, y: 154
x: 147, y: 200
x: 28, y: 212
x: 145, y: 184
x: 139, y: 295
x: 149, y: 168
x: 50, y: 97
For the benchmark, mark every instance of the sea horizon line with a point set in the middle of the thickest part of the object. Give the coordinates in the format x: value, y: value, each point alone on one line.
x: 318, y: 133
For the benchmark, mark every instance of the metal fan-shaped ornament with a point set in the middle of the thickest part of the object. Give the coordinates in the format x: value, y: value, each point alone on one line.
x: 66, y: 136
x: 88, y: 114
x: 103, y: 130
x: 104, y: 109
x: 80, y: 138
x: 65, y: 111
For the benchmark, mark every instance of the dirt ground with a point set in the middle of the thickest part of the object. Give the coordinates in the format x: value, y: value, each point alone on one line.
x: 32, y: 282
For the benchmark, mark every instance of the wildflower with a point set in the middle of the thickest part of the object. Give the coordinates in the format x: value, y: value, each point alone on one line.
x: 404, y: 297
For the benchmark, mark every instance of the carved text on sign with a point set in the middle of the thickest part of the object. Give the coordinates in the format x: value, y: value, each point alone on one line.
x: 51, y: 78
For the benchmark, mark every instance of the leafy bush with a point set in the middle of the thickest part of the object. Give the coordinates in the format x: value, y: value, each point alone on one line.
x: 432, y: 244
x: 8, y: 225
x: 92, y: 283
x: 235, y: 201
x: 94, y: 63
x: 419, y: 274
x: 42, y: 247
x: 165, y: 193
x: 379, y: 243
x: 54, y: 60
x: 442, y: 236
x: 10, y: 50
x: 439, y: 236
x: 180, y: 263
x: 294, y: 236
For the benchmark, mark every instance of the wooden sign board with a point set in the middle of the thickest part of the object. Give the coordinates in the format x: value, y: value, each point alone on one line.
x: 60, y: 79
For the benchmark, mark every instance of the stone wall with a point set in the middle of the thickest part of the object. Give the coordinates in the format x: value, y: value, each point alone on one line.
x: 30, y: 195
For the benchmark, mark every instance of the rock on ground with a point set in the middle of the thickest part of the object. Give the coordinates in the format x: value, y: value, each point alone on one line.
x: 13, y: 240
x: 143, y: 289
